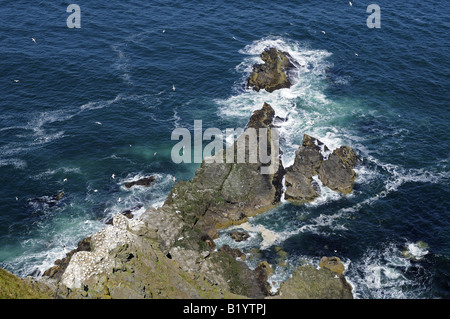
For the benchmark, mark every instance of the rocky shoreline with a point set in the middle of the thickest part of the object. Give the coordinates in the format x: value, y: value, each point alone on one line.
x: 169, y: 252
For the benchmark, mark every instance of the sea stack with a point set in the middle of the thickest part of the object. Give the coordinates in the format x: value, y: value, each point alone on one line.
x: 273, y: 74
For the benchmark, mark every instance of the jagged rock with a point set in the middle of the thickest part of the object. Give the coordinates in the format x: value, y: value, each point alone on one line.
x: 313, y: 158
x: 307, y: 282
x: 332, y: 263
x: 239, y: 235
x: 337, y: 171
x: 273, y: 73
x: 299, y: 177
x: 45, y: 202
x: 146, y: 181
x: 223, y: 194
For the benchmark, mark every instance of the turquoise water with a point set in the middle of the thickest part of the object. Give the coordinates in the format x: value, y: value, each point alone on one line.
x: 98, y: 101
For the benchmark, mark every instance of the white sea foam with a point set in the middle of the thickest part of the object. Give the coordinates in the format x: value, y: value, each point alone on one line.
x: 51, y: 172
x: 15, y: 162
x: 383, y: 274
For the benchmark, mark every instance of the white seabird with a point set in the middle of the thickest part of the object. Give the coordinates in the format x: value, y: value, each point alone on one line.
x: 323, y: 32
x: 173, y: 87
x: 33, y: 39
x: 350, y: 3
x: 99, y: 123
x: 113, y: 176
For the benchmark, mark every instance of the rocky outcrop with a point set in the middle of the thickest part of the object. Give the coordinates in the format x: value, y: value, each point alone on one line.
x: 307, y: 282
x: 169, y: 252
x: 313, y: 158
x: 178, y: 237
x: 299, y: 176
x: 224, y: 194
x: 239, y: 235
x: 273, y: 74
x: 125, y: 262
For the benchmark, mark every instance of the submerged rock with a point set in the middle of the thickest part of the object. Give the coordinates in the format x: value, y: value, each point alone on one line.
x: 273, y: 73
x: 47, y: 201
x: 146, y: 181
x: 416, y: 251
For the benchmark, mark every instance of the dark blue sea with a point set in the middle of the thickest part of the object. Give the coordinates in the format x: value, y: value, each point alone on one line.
x: 84, y: 110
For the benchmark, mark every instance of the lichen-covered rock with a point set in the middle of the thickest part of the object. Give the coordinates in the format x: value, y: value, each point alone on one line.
x: 273, y: 73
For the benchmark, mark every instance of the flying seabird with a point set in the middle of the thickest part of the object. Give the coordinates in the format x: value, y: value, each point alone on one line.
x: 113, y: 176
x: 98, y: 123
x: 323, y: 32
x: 350, y: 3
x: 16, y: 81
x: 173, y: 87
x: 33, y: 39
